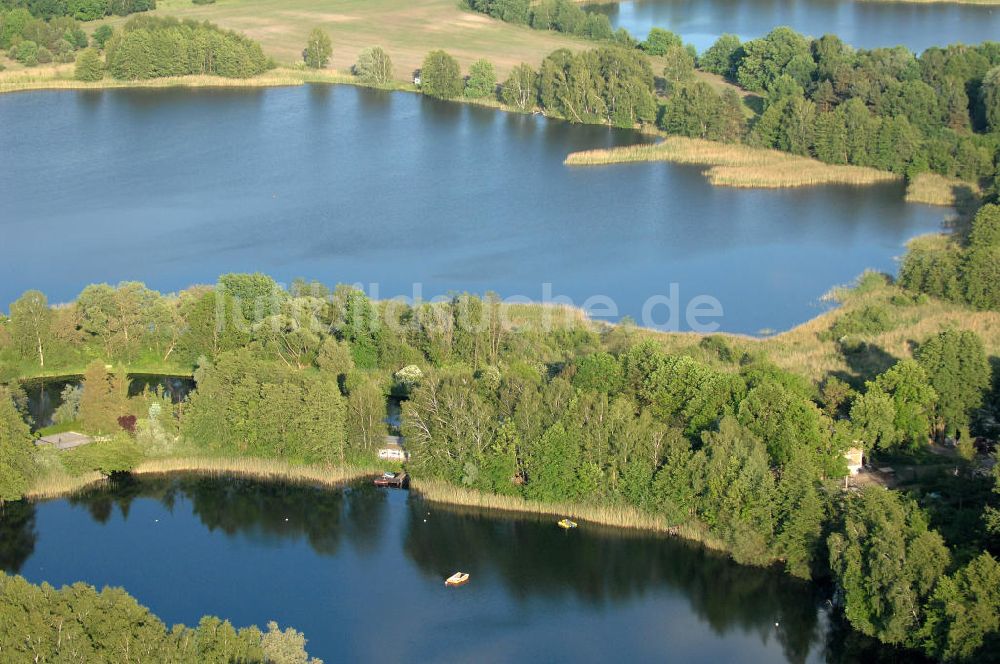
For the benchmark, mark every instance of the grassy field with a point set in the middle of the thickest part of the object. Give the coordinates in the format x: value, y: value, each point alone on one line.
x: 735, y: 165
x: 407, y: 29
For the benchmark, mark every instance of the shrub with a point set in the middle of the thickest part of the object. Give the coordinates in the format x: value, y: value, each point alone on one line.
x: 869, y: 320
x: 374, y: 67
x: 87, y: 10
x: 89, y: 66
x: 26, y: 53
x: 101, y: 35
x: 482, y: 80
x: 318, y: 49
x: 440, y: 76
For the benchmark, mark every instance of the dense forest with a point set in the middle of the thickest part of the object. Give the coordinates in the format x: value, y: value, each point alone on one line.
x: 962, y: 267
x: 35, y: 32
x: 886, y: 108
x: 144, y: 47
x: 544, y: 405
x: 150, y: 47
x: 80, y: 624
x: 32, y: 41
x: 81, y: 10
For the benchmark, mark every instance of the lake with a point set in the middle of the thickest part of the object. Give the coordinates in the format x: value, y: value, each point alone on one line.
x: 860, y: 23
x: 361, y: 573
x: 388, y: 190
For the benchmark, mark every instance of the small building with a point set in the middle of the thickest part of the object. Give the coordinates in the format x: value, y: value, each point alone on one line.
x: 65, y: 441
x: 855, y: 460
x: 392, y: 449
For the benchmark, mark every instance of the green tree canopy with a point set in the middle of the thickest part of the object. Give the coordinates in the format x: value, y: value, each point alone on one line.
x: 887, y: 562
x: 16, y: 450
x: 89, y: 65
x: 519, y: 90
x: 722, y: 57
x: 374, y: 67
x: 959, y: 372
x: 482, y: 80
x: 659, y: 41
x: 440, y: 76
x: 318, y: 49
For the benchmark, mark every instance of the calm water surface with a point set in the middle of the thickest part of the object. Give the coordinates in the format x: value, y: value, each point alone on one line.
x: 361, y: 573
x: 859, y: 23
x: 348, y: 185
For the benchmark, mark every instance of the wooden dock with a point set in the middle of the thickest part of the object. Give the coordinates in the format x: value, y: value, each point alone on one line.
x: 396, y: 481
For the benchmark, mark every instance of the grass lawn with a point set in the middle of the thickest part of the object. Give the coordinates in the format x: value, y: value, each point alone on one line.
x: 407, y: 29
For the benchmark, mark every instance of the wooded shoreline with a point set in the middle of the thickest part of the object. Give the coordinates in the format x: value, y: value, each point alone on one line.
x: 727, y: 165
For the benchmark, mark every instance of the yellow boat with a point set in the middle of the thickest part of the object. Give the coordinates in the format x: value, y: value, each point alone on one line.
x: 567, y: 524
x: 457, y: 579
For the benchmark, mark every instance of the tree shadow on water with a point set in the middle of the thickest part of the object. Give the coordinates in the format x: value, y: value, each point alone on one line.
x: 17, y: 535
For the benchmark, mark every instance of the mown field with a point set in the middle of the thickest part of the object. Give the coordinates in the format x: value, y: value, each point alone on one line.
x: 407, y: 29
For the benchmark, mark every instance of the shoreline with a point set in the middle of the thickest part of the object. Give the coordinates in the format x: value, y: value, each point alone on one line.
x: 268, y: 470
x: 726, y: 165
x: 617, y: 517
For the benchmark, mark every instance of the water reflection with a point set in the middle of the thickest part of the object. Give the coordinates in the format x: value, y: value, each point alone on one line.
x: 609, y: 567
x: 861, y: 24
x: 362, y: 186
x: 17, y: 535
x: 45, y: 394
x: 552, y: 580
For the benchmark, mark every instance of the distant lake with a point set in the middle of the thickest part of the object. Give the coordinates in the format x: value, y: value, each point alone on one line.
x: 341, y: 184
x: 361, y: 573
x: 860, y: 23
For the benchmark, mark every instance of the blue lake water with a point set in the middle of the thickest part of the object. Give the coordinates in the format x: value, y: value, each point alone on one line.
x: 361, y: 574
x: 861, y: 23
x: 342, y: 184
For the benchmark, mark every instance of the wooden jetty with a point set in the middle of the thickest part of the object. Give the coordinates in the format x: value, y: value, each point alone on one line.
x: 393, y: 480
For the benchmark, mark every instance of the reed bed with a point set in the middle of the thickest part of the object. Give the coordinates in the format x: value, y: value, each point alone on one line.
x: 934, y: 189
x: 263, y: 469
x: 61, y: 78
x: 736, y: 165
x: 59, y: 483
x: 62, y: 484
x: 617, y: 516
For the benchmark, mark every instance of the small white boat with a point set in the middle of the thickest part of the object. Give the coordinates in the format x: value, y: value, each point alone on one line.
x: 457, y: 579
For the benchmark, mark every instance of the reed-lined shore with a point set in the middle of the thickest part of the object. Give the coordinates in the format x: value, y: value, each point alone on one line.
x: 60, y: 77
x: 271, y: 470
x: 736, y: 165
x: 617, y: 516
x: 55, y: 485
x: 934, y: 189
x: 728, y: 164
